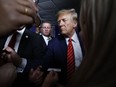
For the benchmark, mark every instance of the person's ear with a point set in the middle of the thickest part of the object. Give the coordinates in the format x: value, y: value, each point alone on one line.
x: 75, y: 24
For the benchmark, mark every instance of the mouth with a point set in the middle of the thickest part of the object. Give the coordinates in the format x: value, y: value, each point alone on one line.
x: 62, y: 27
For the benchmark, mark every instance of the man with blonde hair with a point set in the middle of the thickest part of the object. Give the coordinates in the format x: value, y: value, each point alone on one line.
x: 58, y: 53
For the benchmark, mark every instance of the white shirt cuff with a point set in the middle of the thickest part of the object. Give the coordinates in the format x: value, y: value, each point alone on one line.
x: 22, y: 66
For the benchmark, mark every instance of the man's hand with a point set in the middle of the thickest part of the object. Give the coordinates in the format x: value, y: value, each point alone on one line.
x: 36, y: 76
x: 16, y: 13
x: 51, y: 79
x: 9, y: 55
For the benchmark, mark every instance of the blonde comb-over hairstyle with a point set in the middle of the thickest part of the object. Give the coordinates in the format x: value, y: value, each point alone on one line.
x: 72, y: 12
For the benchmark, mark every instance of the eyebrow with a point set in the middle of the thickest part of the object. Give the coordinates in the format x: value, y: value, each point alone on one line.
x: 64, y: 19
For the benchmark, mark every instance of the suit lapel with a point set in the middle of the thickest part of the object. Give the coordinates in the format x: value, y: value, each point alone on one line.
x: 23, y: 42
x: 63, y: 46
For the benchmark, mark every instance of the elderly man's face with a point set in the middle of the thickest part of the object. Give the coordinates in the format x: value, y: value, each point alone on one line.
x: 67, y: 24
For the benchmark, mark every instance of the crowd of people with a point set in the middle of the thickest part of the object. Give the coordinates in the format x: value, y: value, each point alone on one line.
x: 30, y: 63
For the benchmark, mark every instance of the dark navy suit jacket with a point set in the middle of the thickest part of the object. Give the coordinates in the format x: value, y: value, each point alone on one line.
x: 56, y: 56
x: 43, y: 41
x: 31, y: 48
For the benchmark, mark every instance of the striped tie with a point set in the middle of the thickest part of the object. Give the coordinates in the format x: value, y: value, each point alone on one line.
x: 70, y: 60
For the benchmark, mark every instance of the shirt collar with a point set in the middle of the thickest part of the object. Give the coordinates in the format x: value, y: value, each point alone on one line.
x: 21, y: 31
x: 73, y: 37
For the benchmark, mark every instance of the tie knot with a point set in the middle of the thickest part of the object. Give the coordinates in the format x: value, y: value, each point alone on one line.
x: 15, y: 33
x: 70, y: 40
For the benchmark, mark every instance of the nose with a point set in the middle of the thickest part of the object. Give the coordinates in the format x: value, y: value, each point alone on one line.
x: 61, y: 23
x: 46, y: 29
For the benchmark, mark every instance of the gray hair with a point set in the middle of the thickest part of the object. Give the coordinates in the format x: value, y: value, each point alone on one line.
x: 72, y: 11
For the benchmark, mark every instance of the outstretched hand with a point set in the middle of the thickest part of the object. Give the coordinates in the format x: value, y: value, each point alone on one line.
x: 15, y: 13
x: 36, y: 76
x: 51, y: 79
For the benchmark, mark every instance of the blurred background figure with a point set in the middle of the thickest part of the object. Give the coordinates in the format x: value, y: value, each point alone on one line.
x: 38, y: 30
x: 45, y: 31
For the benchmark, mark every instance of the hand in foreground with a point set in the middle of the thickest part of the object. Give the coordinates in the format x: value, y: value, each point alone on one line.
x: 9, y: 55
x: 36, y: 76
x: 7, y: 74
x: 51, y: 79
x: 15, y: 13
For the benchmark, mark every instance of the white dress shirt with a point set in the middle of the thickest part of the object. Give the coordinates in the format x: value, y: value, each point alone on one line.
x: 77, y: 49
x: 24, y: 61
x: 46, y: 39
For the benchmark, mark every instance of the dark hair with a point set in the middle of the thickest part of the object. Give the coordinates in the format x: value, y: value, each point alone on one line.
x: 45, y: 22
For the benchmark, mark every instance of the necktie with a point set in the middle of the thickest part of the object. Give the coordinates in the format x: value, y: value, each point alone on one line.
x: 13, y: 40
x: 70, y: 60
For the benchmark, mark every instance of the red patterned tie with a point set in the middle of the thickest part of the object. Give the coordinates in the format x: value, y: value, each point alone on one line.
x: 13, y: 40
x: 70, y: 60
